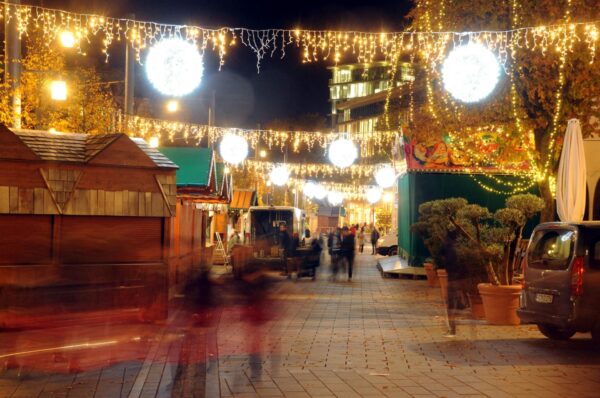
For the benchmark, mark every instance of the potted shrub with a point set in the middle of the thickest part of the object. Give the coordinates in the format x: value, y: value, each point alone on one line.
x: 496, y: 239
x: 433, y: 229
x: 486, y: 247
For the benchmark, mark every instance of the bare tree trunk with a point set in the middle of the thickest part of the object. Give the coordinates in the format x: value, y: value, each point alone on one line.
x: 547, y: 213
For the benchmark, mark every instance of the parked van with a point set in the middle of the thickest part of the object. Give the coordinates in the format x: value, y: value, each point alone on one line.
x: 561, y: 286
x: 388, y: 244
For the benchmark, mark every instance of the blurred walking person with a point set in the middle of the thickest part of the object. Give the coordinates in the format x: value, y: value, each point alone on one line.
x: 334, y: 245
x: 347, y: 248
x: 455, y: 277
x: 374, y: 239
x: 362, y: 238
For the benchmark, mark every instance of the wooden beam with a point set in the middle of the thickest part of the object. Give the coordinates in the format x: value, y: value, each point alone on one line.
x: 162, y: 191
x: 58, y: 208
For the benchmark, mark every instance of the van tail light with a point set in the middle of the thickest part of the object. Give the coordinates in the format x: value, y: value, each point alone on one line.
x: 577, y: 277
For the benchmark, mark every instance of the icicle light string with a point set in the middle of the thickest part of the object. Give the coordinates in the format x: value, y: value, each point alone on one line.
x: 165, y: 130
x: 315, y: 45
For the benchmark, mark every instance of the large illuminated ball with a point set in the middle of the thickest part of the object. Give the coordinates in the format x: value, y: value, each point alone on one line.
x: 342, y: 152
x: 470, y: 72
x: 280, y: 175
x: 309, y: 189
x: 335, y: 198
x: 320, y: 192
x: 373, y: 195
x: 233, y: 148
x: 174, y: 67
x: 385, y: 176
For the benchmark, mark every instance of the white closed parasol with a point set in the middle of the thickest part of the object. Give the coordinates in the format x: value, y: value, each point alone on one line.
x: 571, y: 179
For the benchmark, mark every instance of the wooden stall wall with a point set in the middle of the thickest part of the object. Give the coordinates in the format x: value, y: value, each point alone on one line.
x: 187, y: 245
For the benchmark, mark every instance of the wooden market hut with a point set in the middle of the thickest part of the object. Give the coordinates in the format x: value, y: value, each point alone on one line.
x: 199, y: 200
x: 84, y: 221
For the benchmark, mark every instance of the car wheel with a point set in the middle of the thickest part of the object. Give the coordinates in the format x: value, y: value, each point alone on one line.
x: 393, y: 251
x: 554, y: 332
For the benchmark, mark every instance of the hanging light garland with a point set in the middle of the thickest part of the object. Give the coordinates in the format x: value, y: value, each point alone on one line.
x: 314, y: 170
x: 315, y: 45
x: 296, y: 141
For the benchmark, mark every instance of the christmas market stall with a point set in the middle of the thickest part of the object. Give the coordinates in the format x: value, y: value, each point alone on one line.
x: 84, y: 221
x: 199, y: 200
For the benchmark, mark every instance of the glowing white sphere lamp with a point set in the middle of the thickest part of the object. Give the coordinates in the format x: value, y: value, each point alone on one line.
x: 335, y: 198
x: 385, y: 176
x: 280, y: 175
x: 174, y: 67
x: 470, y: 72
x: 342, y: 153
x: 309, y: 189
x: 67, y: 39
x: 373, y: 195
x: 320, y: 192
x: 233, y: 148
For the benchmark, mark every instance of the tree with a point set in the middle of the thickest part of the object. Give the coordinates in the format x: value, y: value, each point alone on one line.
x: 89, y: 107
x: 535, y: 75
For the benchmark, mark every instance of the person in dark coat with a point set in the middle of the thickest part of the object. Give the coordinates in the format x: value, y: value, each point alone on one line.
x: 285, y: 243
x: 456, y: 275
x: 374, y: 239
x: 347, y: 249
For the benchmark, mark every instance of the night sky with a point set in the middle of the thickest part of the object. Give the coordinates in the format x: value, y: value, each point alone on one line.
x: 283, y: 89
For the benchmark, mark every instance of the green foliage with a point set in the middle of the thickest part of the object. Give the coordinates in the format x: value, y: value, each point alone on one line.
x: 528, y: 204
x: 486, y: 242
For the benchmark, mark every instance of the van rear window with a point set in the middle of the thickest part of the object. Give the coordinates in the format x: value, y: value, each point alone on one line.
x: 551, y: 249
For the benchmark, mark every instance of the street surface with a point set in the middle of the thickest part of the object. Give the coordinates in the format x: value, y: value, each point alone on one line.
x: 373, y: 337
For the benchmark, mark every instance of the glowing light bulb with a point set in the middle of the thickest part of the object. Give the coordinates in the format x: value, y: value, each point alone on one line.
x: 58, y: 90
x: 67, y: 39
x: 233, y: 148
x: 154, y: 141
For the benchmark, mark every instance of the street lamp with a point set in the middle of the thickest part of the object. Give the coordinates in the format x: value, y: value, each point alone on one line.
x: 58, y: 90
x: 172, y: 106
x: 263, y: 153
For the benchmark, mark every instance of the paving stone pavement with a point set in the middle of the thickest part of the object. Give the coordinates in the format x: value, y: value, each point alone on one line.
x: 372, y: 337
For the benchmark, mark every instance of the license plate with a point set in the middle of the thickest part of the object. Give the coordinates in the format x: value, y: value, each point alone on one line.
x: 544, y: 298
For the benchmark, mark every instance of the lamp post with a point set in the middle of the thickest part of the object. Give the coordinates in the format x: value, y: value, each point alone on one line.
x: 12, y: 57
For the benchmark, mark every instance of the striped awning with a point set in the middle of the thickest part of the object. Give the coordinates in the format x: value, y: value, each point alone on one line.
x: 243, y: 199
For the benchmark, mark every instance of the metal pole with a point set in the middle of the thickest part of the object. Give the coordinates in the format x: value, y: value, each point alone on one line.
x: 211, y: 110
x: 129, y: 79
x: 12, y: 56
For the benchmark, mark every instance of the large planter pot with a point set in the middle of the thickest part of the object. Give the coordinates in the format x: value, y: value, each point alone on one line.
x: 443, y: 280
x: 476, y: 304
x: 432, y: 278
x: 500, y: 303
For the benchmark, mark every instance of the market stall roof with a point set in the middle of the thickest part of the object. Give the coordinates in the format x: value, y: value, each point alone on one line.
x: 82, y: 148
x: 243, y: 199
x: 196, y: 166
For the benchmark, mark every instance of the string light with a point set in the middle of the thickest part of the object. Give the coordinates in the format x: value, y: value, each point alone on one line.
x: 296, y: 141
x: 314, y: 45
